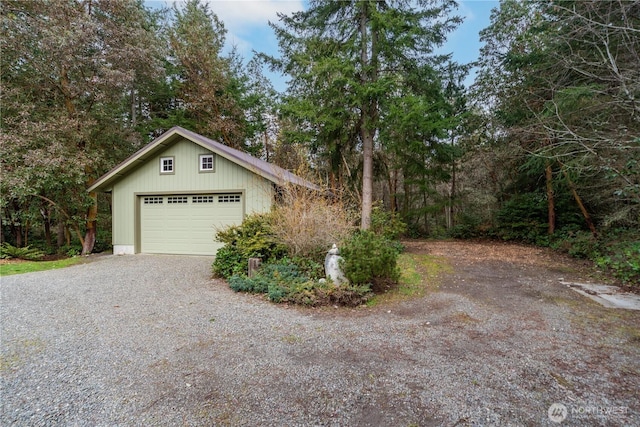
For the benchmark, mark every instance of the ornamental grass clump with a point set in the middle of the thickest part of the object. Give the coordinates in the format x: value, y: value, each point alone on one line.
x: 309, y: 222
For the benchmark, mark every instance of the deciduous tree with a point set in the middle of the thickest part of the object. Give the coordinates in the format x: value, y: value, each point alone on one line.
x: 66, y: 68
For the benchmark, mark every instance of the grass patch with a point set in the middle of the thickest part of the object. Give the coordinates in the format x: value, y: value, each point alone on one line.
x: 18, y: 351
x: 419, y: 274
x: 462, y: 317
x: 630, y: 333
x: 291, y: 339
x: 561, y: 380
x: 31, y: 266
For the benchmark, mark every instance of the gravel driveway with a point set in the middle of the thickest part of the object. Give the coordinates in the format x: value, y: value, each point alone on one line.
x: 152, y: 340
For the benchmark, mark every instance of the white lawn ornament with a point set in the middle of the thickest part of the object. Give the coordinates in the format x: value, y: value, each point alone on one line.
x: 332, y: 266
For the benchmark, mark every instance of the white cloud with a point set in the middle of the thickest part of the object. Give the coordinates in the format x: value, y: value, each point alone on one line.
x: 464, y: 10
x: 244, y: 46
x: 240, y: 16
x: 246, y: 21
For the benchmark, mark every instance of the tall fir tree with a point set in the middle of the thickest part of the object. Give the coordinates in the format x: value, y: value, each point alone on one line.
x: 344, y: 59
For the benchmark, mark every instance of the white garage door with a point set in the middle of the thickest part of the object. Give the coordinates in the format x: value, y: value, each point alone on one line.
x: 186, y: 224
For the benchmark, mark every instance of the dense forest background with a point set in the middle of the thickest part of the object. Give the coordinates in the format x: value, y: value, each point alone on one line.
x: 543, y: 148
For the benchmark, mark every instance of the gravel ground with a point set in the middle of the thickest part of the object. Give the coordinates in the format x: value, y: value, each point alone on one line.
x: 153, y: 340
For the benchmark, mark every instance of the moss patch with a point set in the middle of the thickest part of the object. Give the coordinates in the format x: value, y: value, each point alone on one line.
x: 16, y: 352
x: 420, y: 274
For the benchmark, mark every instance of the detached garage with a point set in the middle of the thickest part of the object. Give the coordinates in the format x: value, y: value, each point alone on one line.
x: 171, y: 196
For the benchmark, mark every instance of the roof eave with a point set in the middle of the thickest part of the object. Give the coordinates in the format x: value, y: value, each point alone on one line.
x: 138, y: 157
x: 104, y: 183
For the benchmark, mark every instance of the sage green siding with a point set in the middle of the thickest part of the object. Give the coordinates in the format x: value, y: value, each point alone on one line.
x: 257, y: 192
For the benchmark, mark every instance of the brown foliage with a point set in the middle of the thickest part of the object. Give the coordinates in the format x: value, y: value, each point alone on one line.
x: 309, y: 222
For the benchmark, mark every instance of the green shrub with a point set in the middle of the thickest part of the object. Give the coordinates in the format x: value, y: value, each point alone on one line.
x: 252, y: 239
x: 622, y: 259
x: 616, y: 251
x: 387, y: 224
x: 8, y: 251
x: 370, y: 259
x: 103, y: 241
x: 70, y: 250
x: 523, y: 218
x: 469, y: 226
x: 282, y: 271
x: 285, y: 282
x: 313, y: 293
x: 255, y: 285
x: 229, y: 261
x: 309, y: 267
x: 578, y: 244
x: 348, y: 295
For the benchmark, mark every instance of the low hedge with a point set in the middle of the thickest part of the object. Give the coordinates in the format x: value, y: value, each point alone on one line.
x: 285, y: 282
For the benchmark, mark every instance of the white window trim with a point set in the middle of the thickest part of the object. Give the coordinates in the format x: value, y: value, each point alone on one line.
x: 173, y: 165
x: 213, y: 162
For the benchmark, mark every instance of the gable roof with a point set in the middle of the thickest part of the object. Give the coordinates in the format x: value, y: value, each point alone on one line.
x: 269, y: 171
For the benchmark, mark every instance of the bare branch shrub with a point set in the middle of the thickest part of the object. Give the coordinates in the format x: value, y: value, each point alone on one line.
x: 308, y: 222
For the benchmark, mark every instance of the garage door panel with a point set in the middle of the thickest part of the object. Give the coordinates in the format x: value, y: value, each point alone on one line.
x: 186, y: 224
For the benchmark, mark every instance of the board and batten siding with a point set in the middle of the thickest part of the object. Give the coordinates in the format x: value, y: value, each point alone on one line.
x: 257, y: 192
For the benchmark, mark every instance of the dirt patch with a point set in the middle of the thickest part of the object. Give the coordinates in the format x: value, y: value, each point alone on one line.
x: 506, y: 275
x: 11, y: 261
x: 475, y: 252
x: 506, y: 307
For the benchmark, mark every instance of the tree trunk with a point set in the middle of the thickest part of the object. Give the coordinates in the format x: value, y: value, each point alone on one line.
x: 393, y: 189
x: 551, y: 206
x: 426, y: 213
x: 92, y: 225
x: 367, y: 179
x: 133, y: 108
x: 46, y: 219
x: 62, y: 232
x: 26, y: 233
x: 369, y: 114
x: 17, y: 233
x: 452, y: 195
x: 578, y: 200
x: 16, y: 228
x: 92, y: 219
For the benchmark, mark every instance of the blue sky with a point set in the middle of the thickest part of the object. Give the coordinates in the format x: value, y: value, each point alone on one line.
x: 247, y: 25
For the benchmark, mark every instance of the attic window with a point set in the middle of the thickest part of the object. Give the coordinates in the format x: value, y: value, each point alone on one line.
x: 166, y: 165
x: 207, y: 163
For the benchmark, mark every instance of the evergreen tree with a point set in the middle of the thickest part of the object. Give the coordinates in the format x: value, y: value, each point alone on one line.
x: 345, y: 59
x: 205, y: 79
